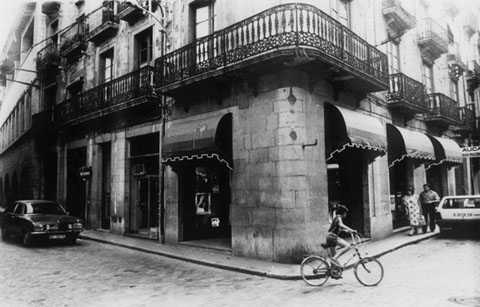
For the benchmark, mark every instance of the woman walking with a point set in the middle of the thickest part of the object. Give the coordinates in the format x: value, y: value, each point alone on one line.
x: 410, y: 201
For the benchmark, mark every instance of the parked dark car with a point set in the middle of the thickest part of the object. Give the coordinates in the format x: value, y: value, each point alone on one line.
x: 39, y: 219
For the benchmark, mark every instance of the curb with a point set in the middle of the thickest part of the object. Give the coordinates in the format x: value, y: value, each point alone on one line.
x: 249, y: 271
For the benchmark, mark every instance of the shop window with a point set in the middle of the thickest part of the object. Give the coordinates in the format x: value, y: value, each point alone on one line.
x: 106, y: 66
x: 143, y: 48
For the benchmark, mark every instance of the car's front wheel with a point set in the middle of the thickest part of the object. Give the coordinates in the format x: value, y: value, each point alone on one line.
x: 71, y: 240
x: 5, y: 234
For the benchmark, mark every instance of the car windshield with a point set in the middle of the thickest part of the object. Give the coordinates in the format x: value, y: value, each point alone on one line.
x: 462, y: 203
x: 45, y: 208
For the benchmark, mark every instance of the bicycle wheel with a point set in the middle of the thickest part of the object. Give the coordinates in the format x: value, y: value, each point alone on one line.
x: 315, y: 270
x: 369, y: 271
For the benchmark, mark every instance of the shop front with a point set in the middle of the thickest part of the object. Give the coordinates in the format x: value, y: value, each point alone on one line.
x: 408, y: 151
x: 448, y: 155
x: 145, y: 188
x: 352, y: 142
x: 199, y: 151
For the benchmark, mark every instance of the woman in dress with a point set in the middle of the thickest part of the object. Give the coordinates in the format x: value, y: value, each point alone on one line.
x: 410, y: 201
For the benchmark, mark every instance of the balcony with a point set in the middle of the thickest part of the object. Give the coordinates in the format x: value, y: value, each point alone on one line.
x: 50, y: 7
x: 73, y: 41
x: 455, y: 66
x: 442, y: 110
x: 103, y: 22
x: 48, y: 58
x: 398, y: 20
x: 132, y: 14
x: 432, y: 40
x: 466, y: 123
x: 125, y: 93
x: 472, y: 77
x: 297, y: 35
x: 406, y: 95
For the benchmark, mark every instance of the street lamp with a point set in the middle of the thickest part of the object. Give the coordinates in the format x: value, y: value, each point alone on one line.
x: 163, y: 110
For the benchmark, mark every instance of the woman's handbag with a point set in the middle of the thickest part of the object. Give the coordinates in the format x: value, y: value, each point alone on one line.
x: 421, y: 221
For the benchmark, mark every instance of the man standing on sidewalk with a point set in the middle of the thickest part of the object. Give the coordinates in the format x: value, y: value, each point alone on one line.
x: 429, y: 200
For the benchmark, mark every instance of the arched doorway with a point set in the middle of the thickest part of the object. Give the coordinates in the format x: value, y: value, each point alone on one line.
x: 8, y: 197
x: 2, y: 194
x: 26, y: 183
x: 14, y: 187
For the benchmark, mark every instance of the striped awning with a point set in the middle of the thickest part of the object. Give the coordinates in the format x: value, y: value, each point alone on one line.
x: 350, y: 129
x: 404, y: 143
x: 446, y: 151
x: 199, y: 138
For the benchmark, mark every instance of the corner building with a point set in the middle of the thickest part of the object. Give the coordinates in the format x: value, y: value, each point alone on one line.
x: 234, y: 127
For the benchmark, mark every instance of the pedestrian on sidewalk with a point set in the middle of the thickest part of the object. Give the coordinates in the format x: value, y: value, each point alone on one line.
x: 429, y: 200
x: 410, y: 201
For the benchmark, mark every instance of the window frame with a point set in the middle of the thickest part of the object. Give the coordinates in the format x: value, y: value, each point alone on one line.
x: 145, y: 35
x: 210, y: 20
x: 107, y: 54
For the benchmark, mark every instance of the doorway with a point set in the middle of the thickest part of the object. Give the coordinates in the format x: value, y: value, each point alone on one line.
x: 147, y: 206
x: 76, y: 186
x: 106, y: 184
x: 398, y: 188
x: 436, y: 179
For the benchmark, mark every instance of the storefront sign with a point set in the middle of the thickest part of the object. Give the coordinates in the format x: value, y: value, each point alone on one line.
x: 85, y: 172
x: 471, y: 152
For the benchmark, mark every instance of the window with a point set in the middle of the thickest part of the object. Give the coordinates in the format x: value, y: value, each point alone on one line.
x: 204, y: 17
x: 106, y: 66
x: 393, y: 54
x: 454, y: 90
x: 341, y: 11
x: 53, y: 32
x: 19, y: 209
x: 143, y: 48
x: 427, y: 78
x: 27, y: 40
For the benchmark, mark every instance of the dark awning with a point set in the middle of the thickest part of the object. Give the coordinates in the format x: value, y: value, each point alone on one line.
x: 208, y: 137
x: 404, y: 143
x: 346, y: 128
x: 446, y: 151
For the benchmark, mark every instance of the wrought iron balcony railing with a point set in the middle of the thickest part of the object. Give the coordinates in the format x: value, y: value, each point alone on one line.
x: 466, y: 120
x: 48, y: 57
x: 432, y: 40
x: 120, y: 93
x: 73, y: 41
x: 472, y: 77
x: 398, y: 20
x: 103, y: 23
x: 276, y: 30
x: 407, y: 93
x: 131, y: 13
x: 442, y: 109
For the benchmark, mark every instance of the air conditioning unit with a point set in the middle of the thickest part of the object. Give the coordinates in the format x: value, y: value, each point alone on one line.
x: 139, y: 170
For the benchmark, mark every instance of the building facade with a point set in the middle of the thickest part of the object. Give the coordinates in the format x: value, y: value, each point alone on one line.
x: 234, y: 126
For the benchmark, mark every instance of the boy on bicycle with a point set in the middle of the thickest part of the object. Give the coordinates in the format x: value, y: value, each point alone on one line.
x: 337, y: 226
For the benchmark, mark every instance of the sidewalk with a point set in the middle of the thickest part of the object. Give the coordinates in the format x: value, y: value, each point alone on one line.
x: 250, y: 266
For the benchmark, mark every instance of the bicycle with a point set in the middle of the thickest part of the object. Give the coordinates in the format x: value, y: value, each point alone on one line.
x: 316, y: 270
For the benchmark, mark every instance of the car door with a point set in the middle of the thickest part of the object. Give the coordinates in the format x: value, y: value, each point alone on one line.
x: 7, y: 217
x: 18, y: 219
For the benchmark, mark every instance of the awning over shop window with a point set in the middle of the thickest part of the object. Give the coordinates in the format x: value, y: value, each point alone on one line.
x: 446, y: 151
x: 350, y: 129
x: 404, y: 143
x: 206, y: 138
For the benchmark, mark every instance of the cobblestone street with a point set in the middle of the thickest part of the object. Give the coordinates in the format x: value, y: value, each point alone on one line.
x: 94, y: 274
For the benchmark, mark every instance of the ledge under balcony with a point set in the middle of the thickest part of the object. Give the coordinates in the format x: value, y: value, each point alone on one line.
x: 466, y: 123
x: 48, y: 58
x: 50, y: 7
x: 291, y: 35
x: 456, y: 67
x: 432, y: 40
x: 397, y: 18
x: 74, y: 42
x: 442, y: 110
x: 128, y: 92
x: 406, y: 95
x: 103, y: 23
x: 132, y: 14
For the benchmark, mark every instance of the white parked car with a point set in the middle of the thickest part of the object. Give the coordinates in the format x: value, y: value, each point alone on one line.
x: 459, y: 212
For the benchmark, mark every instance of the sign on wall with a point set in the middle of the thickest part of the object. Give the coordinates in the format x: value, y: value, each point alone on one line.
x: 471, y: 152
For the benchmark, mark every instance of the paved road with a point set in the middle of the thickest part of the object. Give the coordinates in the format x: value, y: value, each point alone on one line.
x: 95, y: 274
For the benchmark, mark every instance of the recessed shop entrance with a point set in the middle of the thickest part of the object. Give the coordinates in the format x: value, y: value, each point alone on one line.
x: 199, y: 150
